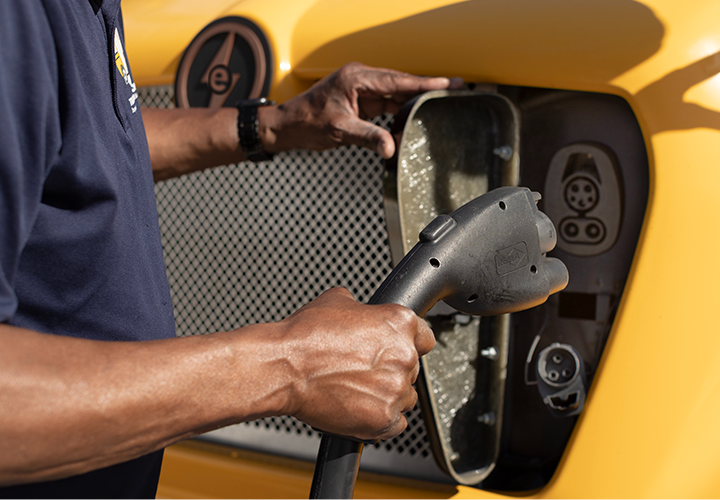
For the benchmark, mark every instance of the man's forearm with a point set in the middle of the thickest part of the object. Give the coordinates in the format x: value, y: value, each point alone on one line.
x: 70, y: 405
x: 186, y: 140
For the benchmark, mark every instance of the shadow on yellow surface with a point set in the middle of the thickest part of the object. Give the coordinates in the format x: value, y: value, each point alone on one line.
x: 194, y: 469
x: 487, y: 40
x: 667, y: 93
x: 554, y: 44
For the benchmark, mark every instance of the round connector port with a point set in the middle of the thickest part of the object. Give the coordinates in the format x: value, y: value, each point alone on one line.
x: 558, y: 365
x: 582, y: 194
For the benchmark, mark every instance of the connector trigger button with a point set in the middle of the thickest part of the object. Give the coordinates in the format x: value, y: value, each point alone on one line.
x: 437, y: 228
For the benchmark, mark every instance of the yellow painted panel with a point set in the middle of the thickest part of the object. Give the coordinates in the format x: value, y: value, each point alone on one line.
x: 158, y: 31
x: 198, y: 470
x: 649, y: 428
x: 550, y: 43
x: 650, y: 425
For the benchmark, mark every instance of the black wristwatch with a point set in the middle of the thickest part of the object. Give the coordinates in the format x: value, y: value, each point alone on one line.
x: 249, y: 129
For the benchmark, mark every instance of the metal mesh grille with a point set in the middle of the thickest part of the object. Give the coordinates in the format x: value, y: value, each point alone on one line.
x: 252, y: 243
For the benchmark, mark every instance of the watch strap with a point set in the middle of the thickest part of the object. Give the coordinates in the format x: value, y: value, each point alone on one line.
x: 249, y: 129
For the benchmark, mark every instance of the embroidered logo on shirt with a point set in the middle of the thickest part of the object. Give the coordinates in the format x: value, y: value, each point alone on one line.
x: 122, y: 66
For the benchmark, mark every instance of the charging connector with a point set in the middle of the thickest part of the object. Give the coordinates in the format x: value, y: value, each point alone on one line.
x: 561, y: 379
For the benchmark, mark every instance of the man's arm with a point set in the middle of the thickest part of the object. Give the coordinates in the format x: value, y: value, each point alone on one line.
x: 330, y: 114
x: 71, y: 405
x: 68, y: 405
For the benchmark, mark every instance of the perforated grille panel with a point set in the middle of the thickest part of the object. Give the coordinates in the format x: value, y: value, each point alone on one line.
x: 252, y: 243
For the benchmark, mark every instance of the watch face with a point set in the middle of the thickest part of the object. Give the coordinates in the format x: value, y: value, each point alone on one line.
x: 228, y: 60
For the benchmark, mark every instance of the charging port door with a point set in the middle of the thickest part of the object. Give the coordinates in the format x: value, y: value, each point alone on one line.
x: 453, y: 146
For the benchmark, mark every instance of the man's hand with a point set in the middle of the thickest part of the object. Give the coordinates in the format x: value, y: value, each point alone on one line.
x: 333, y: 112
x: 69, y: 405
x: 354, y: 364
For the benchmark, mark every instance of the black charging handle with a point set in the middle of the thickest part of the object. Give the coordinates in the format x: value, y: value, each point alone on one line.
x: 486, y: 258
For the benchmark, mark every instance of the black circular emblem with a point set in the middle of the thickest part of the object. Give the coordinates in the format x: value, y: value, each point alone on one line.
x: 220, y: 79
x: 228, y: 60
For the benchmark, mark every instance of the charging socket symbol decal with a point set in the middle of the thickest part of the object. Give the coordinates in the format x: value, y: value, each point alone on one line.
x: 583, y: 199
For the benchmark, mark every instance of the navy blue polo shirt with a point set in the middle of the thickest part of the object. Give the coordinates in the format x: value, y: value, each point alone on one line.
x: 80, y: 251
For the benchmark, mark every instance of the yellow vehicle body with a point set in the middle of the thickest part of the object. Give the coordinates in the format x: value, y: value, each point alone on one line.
x: 650, y: 424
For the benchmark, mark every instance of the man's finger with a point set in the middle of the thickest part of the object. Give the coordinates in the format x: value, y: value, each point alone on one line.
x: 363, y: 133
x: 391, y: 84
x: 387, y: 82
x: 425, y: 338
x: 395, y: 429
x: 410, y: 401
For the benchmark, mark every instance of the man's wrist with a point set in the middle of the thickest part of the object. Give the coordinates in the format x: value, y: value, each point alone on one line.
x: 248, y: 125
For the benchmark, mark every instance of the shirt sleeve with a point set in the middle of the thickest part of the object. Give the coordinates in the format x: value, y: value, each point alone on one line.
x: 30, y: 130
